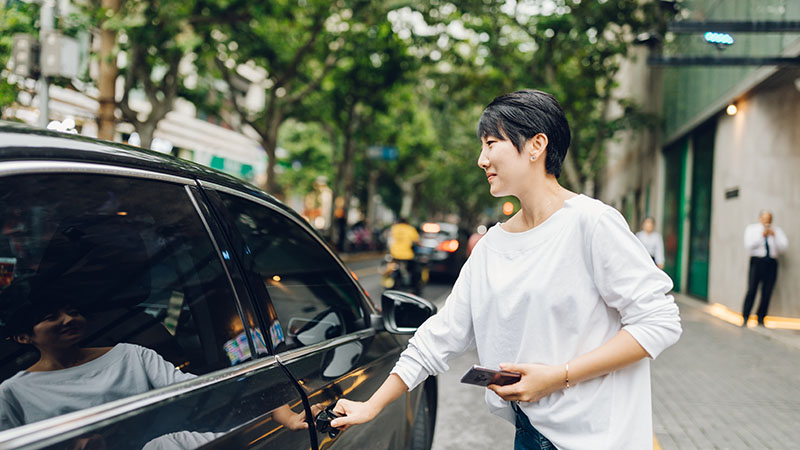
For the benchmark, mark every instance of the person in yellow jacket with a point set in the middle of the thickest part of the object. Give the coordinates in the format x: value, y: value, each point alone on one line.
x: 402, y: 238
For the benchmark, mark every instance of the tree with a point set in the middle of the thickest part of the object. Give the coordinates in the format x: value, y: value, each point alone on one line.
x: 16, y: 17
x: 373, y: 65
x: 155, y: 37
x: 291, y: 49
x: 572, y: 49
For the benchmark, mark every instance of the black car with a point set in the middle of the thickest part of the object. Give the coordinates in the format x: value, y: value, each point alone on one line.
x: 445, y: 246
x: 207, y: 313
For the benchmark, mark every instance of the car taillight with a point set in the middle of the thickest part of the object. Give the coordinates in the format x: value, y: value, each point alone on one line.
x: 448, y: 246
x: 431, y: 228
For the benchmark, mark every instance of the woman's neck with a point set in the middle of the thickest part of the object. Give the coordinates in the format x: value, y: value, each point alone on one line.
x: 65, y: 358
x: 538, y: 203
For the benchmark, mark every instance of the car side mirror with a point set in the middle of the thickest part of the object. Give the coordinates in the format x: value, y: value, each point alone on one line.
x: 403, y: 313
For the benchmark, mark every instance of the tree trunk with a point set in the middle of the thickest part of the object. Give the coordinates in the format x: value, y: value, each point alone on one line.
x: 270, y: 142
x: 146, y: 131
x: 335, y: 184
x: 107, y: 78
x: 372, y: 189
x: 347, y: 183
x: 408, y: 198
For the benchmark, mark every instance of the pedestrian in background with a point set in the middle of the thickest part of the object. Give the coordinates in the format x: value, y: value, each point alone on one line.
x: 475, y: 237
x: 652, y: 241
x: 561, y: 293
x: 764, y: 242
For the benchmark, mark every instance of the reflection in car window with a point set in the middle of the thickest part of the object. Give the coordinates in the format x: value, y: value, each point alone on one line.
x: 109, y: 287
x: 314, y: 298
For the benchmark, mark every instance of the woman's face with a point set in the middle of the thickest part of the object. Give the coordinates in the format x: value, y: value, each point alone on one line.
x: 58, y: 329
x: 506, y: 168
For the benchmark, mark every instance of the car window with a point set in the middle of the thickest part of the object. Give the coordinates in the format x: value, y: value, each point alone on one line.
x: 313, y: 296
x: 109, y: 287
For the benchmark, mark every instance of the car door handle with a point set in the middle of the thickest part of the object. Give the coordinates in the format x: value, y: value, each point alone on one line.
x: 323, y: 422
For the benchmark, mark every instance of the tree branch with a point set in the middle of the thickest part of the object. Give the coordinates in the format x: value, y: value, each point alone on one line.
x: 291, y: 70
x: 330, y: 61
x: 128, y: 113
x: 239, y: 110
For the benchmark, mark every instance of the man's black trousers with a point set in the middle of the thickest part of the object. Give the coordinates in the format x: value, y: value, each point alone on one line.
x: 763, y: 271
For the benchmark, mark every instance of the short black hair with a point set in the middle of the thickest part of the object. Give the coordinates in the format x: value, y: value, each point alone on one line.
x: 521, y: 115
x: 26, y: 302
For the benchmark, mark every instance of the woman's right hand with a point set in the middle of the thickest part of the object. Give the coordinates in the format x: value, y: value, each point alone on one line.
x: 353, y: 413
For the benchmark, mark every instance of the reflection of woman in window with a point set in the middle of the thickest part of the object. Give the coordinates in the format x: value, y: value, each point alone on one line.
x: 68, y: 377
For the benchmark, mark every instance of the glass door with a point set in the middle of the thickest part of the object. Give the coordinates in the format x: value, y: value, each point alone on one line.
x: 700, y: 212
x: 674, y: 199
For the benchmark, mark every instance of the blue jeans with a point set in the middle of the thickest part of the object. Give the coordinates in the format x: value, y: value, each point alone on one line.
x: 528, y: 438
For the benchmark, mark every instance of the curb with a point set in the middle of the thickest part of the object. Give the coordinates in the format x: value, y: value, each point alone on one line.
x: 355, y: 257
x: 787, y: 337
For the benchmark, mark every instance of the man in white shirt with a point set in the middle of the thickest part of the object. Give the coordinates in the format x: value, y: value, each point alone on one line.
x: 764, y: 242
x: 652, y: 241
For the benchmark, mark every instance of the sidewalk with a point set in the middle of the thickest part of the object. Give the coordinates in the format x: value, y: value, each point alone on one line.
x: 726, y: 387
x: 360, y: 256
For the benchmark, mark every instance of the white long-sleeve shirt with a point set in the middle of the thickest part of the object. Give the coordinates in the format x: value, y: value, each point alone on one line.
x: 548, y: 295
x: 754, y: 241
x: 125, y: 370
x: 654, y: 244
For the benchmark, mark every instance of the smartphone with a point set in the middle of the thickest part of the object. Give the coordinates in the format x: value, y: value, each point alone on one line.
x: 481, y: 376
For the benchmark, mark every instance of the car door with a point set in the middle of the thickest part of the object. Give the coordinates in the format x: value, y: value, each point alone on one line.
x: 317, y: 317
x: 130, y: 253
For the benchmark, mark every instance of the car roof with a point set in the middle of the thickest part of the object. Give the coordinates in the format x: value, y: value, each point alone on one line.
x: 23, y: 142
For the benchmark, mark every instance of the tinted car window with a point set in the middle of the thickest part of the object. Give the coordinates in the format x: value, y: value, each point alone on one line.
x: 314, y: 298
x: 109, y: 287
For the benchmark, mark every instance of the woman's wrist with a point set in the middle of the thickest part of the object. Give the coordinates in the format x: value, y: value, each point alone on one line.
x: 374, y: 407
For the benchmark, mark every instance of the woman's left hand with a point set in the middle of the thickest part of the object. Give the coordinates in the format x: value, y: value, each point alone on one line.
x: 538, y: 381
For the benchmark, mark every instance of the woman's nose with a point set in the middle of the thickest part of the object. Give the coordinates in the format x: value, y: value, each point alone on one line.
x: 483, y: 161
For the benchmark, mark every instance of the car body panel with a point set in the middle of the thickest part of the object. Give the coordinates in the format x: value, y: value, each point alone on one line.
x: 242, y: 400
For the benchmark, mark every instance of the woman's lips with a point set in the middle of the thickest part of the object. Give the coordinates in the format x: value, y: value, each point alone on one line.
x: 490, y: 176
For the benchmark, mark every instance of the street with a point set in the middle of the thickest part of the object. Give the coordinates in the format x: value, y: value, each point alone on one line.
x: 721, y: 387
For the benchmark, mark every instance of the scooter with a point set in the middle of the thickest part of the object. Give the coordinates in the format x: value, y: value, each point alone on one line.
x: 398, y: 275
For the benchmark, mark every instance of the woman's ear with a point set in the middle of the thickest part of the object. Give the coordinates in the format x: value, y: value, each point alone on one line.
x: 22, y: 338
x: 536, y: 146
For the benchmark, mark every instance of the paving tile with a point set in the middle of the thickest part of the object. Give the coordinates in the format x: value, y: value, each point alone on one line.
x: 726, y: 387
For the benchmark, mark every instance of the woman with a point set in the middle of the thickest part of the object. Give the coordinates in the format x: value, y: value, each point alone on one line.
x: 67, y: 375
x: 562, y: 293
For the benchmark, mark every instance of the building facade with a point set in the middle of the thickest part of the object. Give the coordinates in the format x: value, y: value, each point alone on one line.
x: 708, y: 170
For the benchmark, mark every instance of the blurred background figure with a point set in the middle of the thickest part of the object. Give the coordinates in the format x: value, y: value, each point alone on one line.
x: 475, y: 237
x: 652, y: 241
x: 403, y: 238
x: 764, y: 242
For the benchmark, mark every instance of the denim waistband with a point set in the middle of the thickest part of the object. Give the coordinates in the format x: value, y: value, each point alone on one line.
x: 528, y: 437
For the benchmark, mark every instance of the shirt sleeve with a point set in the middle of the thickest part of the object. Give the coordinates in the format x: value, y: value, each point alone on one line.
x: 629, y: 282
x: 781, y: 241
x: 660, y: 250
x: 10, y: 416
x: 443, y: 336
x: 160, y: 372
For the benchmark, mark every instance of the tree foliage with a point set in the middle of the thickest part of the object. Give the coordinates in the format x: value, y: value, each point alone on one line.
x: 17, y: 17
x: 328, y: 79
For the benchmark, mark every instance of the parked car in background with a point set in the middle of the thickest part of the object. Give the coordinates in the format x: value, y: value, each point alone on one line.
x: 225, y: 301
x: 445, y: 246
